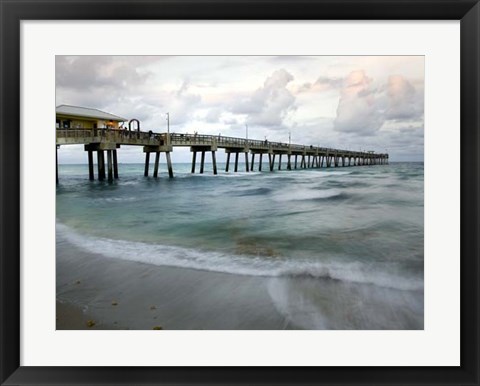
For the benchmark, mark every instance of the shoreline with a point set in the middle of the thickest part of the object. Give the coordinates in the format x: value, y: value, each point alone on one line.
x: 98, y: 292
x: 120, y: 294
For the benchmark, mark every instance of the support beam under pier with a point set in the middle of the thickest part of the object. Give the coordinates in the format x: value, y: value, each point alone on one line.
x: 101, y: 165
x: 228, y: 162
x: 110, y: 165
x: 194, y: 159
x: 91, y: 176
x: 236, y: 162
x: 157, y: 150
x: 169, y: 164
x: 56, y: 164
x: 202, y: 161
x: 115, y: 164
x: 235, y: 151
x: 155, y: 167
x: 147, y: 164
x: 214, y: 163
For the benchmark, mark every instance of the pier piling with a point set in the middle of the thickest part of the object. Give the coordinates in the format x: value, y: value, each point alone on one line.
x: 253, y: 161
x: 202, y: 161
x: 91, y: 176
x: 169, y: 165
x: 246, y: 162
x: 214, y: 162
x: 101, y: 165
x: 236, y: 161
x: 110, y: 165
x: 280, y: 161
x: 228, y: 162
x: 194, y: 159
x: 147, y: 163
x: 56, y: 164
x: 155, y: 167
x: 115, y: 164
x: 260, y: 163
x: 272, y: 162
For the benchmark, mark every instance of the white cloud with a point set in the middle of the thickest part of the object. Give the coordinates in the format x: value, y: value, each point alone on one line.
x: 404, y: 102
x: 269, y: 104
x: 358, y: 110
x: 365, y: 106
x: 355, y: 102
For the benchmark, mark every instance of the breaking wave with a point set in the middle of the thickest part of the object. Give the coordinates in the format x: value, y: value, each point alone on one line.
x: 166, y: 255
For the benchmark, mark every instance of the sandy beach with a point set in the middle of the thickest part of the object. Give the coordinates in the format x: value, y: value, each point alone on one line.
x: 117, y: 294
x: 97, y: 292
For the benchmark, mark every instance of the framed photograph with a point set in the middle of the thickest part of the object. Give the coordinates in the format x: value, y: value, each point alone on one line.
x: 269, y: 193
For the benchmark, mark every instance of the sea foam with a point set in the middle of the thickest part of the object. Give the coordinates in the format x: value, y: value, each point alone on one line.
x: 174, y: 256
x: 305, y: 194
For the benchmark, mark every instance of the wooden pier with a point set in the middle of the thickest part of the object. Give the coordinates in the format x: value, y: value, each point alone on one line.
x: 297, y: 156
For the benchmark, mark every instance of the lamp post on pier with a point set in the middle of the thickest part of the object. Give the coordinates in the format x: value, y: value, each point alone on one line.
x: 168, y: 129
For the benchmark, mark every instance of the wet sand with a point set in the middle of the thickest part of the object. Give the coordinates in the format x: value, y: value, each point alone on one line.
x: 95, y: 292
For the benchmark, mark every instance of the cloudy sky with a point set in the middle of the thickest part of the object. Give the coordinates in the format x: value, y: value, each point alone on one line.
x: 349, y: 102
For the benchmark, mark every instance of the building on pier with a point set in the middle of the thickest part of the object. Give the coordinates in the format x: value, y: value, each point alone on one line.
x: 76, y: 117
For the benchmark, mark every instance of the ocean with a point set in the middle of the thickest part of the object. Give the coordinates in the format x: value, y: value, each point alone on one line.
x: 338, y: 248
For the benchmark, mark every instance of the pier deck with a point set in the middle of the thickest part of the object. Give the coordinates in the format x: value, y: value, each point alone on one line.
x: 110, y: 140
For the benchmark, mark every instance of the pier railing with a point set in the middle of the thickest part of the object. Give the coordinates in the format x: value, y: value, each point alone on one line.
x: 109, y: 140
x: 125, y: 137
x: 150, y: 138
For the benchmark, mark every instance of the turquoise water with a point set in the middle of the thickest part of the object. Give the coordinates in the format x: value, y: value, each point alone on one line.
x: 355, y: 225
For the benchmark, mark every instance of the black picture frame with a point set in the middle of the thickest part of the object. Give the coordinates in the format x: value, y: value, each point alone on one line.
x: 14, y: 11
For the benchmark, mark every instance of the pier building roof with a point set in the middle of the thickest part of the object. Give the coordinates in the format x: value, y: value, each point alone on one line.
x: 85, y: 112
